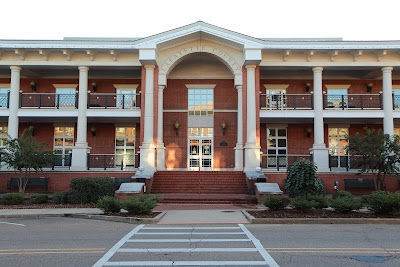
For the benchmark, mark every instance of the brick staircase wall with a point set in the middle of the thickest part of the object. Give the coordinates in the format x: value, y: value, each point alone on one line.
x: 204, y: 182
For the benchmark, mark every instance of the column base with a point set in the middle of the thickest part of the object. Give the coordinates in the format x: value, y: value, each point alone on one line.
x: 321, y: 158
x: 79, y: 158
x: 148, y: 158
x: 252, y: 154
x: 239, y: 157
x: 161, y: 157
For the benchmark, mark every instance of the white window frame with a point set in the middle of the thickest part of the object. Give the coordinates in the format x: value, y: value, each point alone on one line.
x: 124, y: 90
x: 63, y: 147
x: 275, y: 158
x: 125, y: 157
x: 209, y: 110
x: 334, y: 93
x: 275, y: 96
x: 338, y: 150
x: 65, y: 99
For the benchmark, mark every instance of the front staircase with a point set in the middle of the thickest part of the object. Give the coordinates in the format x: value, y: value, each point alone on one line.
x: 201, y: 187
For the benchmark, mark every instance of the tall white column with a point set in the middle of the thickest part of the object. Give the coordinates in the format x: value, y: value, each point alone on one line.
x: 319, y: 150
x: 147, y: 150
x: 388, y: 125
x: 252, y: 150
x: 239, y: 144
x: 160, y: 124
x: 80, y: 150
x: 13, y: 120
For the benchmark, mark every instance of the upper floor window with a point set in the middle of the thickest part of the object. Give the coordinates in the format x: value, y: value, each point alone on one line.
x: 337, y: 96
x: 200, y: 101
x: 65, y: 95
x: 276, y: 95
x: 4, y: 89
x: 396, y: 96
x: 126, y: 95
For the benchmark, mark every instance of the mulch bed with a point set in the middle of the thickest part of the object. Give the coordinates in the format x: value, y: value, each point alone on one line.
x: 315, y: 214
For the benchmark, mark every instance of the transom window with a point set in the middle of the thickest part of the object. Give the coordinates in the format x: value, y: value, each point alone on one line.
x: 200, y: 102
x: 125, y: 146
x: 63, y: 143
x: 277, y: 147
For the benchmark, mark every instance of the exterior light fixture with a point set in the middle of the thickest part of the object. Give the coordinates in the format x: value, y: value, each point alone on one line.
x: 176, y: 127
x: 308, y: 86
x: 369, y: 87
x: 33, y: 86
x: 94, y: 87
x: 308, y: 132
x: 93, y: 131
x: 223, y: 126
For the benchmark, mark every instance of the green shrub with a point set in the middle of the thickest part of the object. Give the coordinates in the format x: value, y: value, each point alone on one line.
x: 346, y: 204
x: 109, y: 204
x: 384, y: 202
x: 301, y: 203
x: 302, y: 179
x: 275, y: 202
x: 39, y: 198
x: 320, y: 201
x: 60, y: 198
x: 341, y: 194
x: 141, y: 205
x: 12, y: 199
x: 90, y: 190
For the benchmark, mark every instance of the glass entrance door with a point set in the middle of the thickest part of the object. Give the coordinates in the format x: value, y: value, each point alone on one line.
x: 200, y: 154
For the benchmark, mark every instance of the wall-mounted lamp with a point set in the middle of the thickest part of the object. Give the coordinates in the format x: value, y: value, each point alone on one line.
x: 94, y: 87
x: 176, y: 127
x: 223, y: 126
x: 308, y: 132
x: 369, y: 87
x: 93, y: 131
x: 308, y: 86
x: 33, y: 86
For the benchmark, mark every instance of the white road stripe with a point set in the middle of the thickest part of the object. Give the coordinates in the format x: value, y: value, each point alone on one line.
x: 184, y: 240
x: 119, y: 244
x: 190, y: 228
x: 18, y: 224
x: 185, y: 263
x: 190, y: 233
x: 189, y: 250
x: 261, y: 249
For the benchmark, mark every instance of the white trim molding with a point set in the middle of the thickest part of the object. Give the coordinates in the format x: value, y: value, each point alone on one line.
x: 337, y: 86
x: 64, y: 85
x: 200, y: 86
x: 276, y: 86
x: 126, y: 86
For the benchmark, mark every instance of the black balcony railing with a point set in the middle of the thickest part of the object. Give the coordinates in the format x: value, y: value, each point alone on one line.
x: 361, y: 101
x: 286, y: 101
x: 59, y: 160
x: 347, y: 162
x: 111, y: 161
x: 278, y: 162
x: 5, y: 100
x: 48, y: 100
x: 121, y: 101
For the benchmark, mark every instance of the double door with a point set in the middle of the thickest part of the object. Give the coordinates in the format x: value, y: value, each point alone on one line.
x: 200, y: 154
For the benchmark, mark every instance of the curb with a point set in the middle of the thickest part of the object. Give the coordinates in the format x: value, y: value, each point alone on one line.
x: 254, y: 220
x: 131, y: 220
x: 32, y: 216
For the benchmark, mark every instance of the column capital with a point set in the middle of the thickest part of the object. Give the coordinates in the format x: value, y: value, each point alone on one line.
x: 149, y: 66
x: 317, y: 69
x: 239, y: 87
x: 15, y: 68
x: 161, y: 87
x: 83, y: 68
x: 387, y: 69
x: 250, y: 66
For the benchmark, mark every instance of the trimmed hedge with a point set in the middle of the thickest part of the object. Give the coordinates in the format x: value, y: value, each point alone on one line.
x: 39, y: 198
x: 141, y: 205
x: 384, y: 202
x: 109, y: 204
x: 340, y: 194
x: 302, y: 203
x: 60, y: 198
x: 346, y: 204
x: 275, y: 202
x: 90, y: 190
x: 12, y: 199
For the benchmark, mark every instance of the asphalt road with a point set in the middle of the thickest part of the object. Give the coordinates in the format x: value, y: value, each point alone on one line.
x: 80, y: 242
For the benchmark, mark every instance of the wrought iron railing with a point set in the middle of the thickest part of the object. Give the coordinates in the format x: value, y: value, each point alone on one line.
x: 48, y: 100
x: 111, y: 161
x: 279, y: 162
x: 353, y: 101
x: 5, y: 100
x: 59, y: 160
x: 286, y: 101
x: 121, y: 101
x: 347, y: 162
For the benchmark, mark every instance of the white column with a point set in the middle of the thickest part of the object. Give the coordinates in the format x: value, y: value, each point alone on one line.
x: 239, y: 144
x: 13, y: 121
x: 160, y: 124
x: 252, y: 150
x: 319, y: 150
x: 80, y: 150
x: 388, y: 126
x: 147, y: 150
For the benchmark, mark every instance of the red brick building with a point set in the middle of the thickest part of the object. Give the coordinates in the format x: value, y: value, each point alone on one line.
x: 197, y: 98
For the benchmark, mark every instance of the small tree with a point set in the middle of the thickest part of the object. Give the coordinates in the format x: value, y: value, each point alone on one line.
x: 376, y: 153
x: 302, y: 179
x: 24, y: 156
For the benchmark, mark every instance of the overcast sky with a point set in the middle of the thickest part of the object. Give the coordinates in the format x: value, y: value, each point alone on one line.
x: 55, y: 19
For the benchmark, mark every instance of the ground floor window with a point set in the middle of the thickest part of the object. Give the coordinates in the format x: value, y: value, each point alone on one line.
x: 276, y: 147
x: 200, y: 152
x: 125, y: 138
x: 63, y: 143
x: 337, y: 147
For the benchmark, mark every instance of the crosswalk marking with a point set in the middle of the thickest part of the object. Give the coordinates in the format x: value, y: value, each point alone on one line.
x: 140, y: 236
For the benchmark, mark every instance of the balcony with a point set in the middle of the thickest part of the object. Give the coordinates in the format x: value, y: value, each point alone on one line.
x: 112, y: 161
x: 286, y: 101
x: 113, y: 101
x: 48, y: 100
x: 353, y: 102
x: 280, y: 162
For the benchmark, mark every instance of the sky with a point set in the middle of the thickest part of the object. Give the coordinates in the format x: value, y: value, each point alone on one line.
x: 56, y: 19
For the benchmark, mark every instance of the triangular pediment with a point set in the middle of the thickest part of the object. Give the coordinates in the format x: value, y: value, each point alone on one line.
x: 199, y: 30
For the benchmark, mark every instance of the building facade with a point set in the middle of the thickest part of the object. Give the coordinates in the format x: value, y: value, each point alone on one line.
x: 197, y: 98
